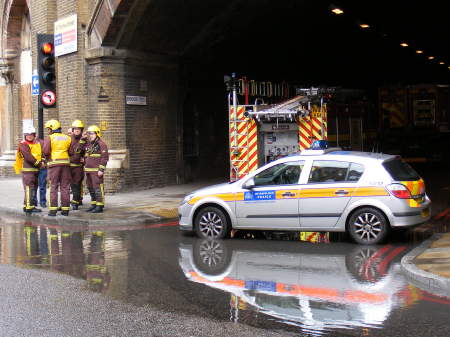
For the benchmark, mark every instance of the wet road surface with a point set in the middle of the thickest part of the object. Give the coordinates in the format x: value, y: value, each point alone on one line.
x: 298, y: 288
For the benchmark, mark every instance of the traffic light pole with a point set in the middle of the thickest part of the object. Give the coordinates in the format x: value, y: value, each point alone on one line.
x: 41, y: 122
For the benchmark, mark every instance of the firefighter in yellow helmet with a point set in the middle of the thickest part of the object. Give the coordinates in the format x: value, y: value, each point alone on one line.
x: 77, y: 163
x: 57, y: 150
x: 96, y: 158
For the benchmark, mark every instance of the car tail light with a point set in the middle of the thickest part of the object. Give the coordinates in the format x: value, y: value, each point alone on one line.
x: 400, y: 191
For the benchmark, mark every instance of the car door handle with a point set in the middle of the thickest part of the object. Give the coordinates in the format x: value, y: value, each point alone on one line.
x: 341, y: 192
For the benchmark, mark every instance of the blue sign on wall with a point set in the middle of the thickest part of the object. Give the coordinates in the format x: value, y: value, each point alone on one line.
x: 35, y: 85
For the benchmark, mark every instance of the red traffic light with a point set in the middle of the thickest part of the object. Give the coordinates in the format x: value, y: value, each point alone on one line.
x: 47, y: 48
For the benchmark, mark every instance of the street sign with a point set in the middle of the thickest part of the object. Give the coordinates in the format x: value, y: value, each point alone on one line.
x: 48, y: 98
x: 136, y: 100
x: 35, y: 84
x: 66, y: 35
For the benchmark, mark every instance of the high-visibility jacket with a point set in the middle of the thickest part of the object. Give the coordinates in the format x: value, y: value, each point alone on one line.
x: 57, y: 149
x: 28, y: 157
x: 96, y: 155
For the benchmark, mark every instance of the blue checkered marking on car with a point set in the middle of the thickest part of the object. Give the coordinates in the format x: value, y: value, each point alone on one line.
x: 259, y: 195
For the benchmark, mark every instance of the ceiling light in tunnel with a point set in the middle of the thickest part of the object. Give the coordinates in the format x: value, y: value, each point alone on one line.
x: 431, y: 57
x: 337, y: 10
x: 364, y: 25
x: 404, y: 44
x: 419, y: 51
x: 441, y: 63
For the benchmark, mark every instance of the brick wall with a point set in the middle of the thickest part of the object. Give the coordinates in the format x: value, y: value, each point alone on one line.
x: 152, y: 130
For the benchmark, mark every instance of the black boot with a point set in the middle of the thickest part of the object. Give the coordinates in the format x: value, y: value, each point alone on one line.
x: 74, y: 206
x: 98, y: 209
x: 52, y: 213
x: 90, y: 209
x: 36, y: 210
x: 65, y: 213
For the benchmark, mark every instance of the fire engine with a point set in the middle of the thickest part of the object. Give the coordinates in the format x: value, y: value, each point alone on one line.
x: 285, y: 120
x: 412, y: 118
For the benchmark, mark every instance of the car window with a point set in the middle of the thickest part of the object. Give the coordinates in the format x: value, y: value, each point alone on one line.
x: 400, y: 171
x: 328, y: 171
x: 355, y: 172
x: 280, y: 174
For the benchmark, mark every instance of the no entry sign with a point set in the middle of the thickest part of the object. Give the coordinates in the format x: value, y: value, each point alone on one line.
x: 48, y: 98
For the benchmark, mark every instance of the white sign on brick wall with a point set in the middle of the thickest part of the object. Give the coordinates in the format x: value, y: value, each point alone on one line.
x: 66, y: 35
x: 136, y: 100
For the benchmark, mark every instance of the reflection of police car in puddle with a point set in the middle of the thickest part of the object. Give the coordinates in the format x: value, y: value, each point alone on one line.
x: 312, y: 286
x: 363, y: 193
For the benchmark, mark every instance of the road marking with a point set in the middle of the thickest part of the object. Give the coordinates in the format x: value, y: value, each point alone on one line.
x: 442, y: 214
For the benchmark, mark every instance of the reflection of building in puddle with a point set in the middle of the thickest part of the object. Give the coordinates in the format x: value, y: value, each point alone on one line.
x: 314, y: 287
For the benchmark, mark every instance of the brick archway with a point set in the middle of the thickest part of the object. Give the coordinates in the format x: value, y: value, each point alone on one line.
x: 13, y: 11
x: 15, y: 70
x: 111, y: 21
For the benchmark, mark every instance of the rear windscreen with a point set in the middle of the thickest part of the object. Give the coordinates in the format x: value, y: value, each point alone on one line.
x: 400, y: 171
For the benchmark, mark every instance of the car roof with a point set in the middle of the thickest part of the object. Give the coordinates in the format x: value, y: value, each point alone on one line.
x: 338, y: 154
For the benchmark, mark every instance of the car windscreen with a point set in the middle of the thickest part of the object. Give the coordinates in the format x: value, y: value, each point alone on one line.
x: 400, y: 171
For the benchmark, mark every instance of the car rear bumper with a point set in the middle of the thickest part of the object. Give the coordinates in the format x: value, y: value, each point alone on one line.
x: 412, y: 217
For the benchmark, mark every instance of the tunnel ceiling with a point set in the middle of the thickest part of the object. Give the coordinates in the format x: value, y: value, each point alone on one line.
x: 302, y: 40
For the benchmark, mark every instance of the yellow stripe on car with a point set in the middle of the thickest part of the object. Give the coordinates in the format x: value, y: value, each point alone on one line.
x: 303, y: 193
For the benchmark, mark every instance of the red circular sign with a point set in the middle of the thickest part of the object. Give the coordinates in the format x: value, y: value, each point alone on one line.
x: 48, y: 98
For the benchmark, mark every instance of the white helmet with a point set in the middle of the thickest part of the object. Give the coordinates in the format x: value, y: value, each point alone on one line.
x: 28, y: 129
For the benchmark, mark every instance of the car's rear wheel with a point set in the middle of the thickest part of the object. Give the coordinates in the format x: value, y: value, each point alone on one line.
x: 211, y: 223
x: 368, y: 226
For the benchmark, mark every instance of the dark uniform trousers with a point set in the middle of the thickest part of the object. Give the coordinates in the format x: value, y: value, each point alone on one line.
x: 95, y: 186
x: 30, y: 183
x: 77, y: 184
x: 59, y: 176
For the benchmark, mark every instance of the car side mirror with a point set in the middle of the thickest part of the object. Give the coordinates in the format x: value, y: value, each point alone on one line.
x: 249, y: 184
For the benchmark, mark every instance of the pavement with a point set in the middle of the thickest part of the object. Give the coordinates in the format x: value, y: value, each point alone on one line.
x: 427, y: 266
x: 121, y: 209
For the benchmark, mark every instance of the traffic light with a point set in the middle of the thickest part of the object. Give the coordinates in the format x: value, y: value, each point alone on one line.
x: 46, y: 71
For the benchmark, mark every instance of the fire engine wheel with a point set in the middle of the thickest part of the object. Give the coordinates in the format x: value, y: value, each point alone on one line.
x: 368, y: 226
x: 211, y: 223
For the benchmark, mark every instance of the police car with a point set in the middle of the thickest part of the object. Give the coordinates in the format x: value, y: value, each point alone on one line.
x: 363, y: 193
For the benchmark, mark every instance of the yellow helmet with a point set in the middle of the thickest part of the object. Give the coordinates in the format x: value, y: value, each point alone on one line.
x: 78, y: 124
x: 53, y: 124
x: 94, y: 128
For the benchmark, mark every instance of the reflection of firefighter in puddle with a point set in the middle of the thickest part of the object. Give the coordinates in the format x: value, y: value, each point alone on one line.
x: 96, y: 273
x: 54, y: 250
x: 31, y: 255
x: 72, y: 253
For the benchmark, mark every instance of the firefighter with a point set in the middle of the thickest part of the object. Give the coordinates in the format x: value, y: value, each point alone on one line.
x: 41, y: 188
x: 57, y: 150
x: 76, y: 163
x: 96, y: 158
x: 28, y: 161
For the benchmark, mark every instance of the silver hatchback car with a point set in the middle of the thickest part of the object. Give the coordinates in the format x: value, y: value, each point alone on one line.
x: 365, y: 194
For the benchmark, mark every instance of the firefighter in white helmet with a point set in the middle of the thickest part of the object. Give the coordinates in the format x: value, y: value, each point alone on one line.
x: 29, y: 160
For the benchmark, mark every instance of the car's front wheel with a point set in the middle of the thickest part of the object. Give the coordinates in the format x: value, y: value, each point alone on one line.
x: 211, y: 223
x: 368, y: 226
